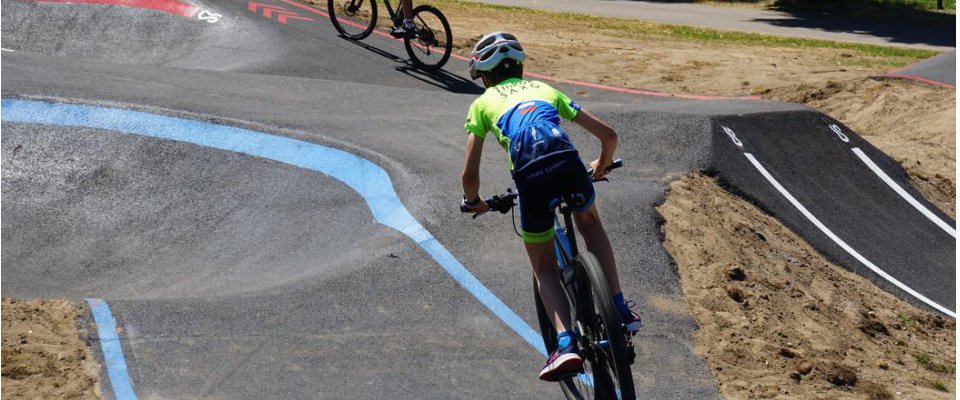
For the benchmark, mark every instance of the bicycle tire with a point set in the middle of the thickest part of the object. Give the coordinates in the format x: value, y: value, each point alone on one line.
x: 428, y: 39
x: 549, y: 335
x: 357, y: 18
x: 613, y: 358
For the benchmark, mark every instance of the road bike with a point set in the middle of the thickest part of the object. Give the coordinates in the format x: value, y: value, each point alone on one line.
x: 604, y: 343
x: 430, y: 45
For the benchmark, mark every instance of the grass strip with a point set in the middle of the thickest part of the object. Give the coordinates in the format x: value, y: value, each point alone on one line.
x: 634, y: 29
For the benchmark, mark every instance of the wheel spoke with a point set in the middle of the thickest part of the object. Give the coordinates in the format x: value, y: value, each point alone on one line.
x: 433, y: 43
x: 354, y: 19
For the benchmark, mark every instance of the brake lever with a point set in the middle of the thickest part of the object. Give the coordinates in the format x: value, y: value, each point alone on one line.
x: 475, y: 215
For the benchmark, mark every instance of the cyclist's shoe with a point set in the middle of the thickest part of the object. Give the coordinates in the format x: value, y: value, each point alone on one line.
x: 631, y: 319
x: 563, y: 363
x: 633, y: 322
x: 402, y: 32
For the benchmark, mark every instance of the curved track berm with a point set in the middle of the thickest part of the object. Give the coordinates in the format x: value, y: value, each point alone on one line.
x: 235, y: 276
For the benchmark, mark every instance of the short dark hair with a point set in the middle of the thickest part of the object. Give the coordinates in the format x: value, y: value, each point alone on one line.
x: 508, y: 68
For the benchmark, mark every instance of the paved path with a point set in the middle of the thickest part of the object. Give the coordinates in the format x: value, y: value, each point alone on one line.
x: 940, y: 71
x: 754, y: 20
x: 237, y: 268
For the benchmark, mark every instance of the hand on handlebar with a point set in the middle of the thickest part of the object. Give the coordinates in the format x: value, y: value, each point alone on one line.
x: 599, y: 168
x: 478, y: 208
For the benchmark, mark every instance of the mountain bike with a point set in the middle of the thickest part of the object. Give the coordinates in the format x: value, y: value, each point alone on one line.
x: 432, y: 40
x: 606, y: 347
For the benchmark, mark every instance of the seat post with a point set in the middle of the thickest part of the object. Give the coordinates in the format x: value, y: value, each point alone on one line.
x: 568, y: 227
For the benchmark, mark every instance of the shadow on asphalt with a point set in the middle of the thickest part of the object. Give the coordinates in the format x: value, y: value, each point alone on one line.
x: 901, y: 23
x: 929, y: 34
x: 441, y: 79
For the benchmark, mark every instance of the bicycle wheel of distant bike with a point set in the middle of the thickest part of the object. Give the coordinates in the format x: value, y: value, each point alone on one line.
x: 354, y: 19
x: 606, y: 355
x: 431, y: 46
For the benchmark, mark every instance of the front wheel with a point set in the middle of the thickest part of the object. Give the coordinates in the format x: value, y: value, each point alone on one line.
x: 431, y: 46
x: 354, y: 19
x: 604, y: 342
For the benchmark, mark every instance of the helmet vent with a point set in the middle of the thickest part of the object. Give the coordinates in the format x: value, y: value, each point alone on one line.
x: 494, y: 49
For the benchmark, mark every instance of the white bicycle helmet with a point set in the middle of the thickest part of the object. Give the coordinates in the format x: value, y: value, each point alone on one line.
x: 492, y: 49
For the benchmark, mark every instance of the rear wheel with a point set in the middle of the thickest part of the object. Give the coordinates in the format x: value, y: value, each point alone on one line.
x: 604, y: 343
x: 549, y: 334
x: 354, y: 19
x: 430, y: 48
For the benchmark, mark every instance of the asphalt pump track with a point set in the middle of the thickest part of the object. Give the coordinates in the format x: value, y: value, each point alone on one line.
x: 220, y: 185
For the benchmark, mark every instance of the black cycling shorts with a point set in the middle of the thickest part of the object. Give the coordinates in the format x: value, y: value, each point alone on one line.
x: 542, y: 182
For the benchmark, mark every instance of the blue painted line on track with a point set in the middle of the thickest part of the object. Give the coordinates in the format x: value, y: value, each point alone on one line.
x: 368, y: 179
x: 112, y: 352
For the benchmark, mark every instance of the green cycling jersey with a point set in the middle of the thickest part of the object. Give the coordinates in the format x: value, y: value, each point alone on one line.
x: 511, y: 107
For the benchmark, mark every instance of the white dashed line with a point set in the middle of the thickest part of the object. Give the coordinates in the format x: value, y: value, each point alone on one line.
x: 840, y: 242
x: 903, y: 193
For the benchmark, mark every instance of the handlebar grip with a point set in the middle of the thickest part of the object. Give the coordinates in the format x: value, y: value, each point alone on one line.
x: 616, y: 164
x: 490, y: 202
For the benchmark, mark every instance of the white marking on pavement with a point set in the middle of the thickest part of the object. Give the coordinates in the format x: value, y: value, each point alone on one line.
x: 903, y: 193
x: 840, y: 242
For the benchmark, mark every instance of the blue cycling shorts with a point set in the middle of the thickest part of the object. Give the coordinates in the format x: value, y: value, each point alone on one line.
x: 540, y: 183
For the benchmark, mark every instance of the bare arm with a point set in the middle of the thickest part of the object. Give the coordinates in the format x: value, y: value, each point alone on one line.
x: 470, y: 178
x: 608, y: 141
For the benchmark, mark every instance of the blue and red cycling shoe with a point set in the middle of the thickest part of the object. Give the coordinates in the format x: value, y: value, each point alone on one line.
x: 563, y: 363
x: 632, y: 322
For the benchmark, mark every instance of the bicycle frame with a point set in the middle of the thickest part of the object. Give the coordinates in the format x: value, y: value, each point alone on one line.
x: 565, y: 246
x: 386, y: 3
x: 566, y: 250
x: 391, y: 12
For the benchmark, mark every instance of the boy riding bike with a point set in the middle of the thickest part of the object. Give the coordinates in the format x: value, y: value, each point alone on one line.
x: 525, y: 115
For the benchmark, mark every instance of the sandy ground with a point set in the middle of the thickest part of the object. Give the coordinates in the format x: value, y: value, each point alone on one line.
x: 779, y: 321
x: 43, y: 355
x: 578, y: 51
x: 776, y: 319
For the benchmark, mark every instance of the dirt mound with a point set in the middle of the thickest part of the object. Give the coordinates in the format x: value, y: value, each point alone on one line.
x: 43, y: 355
x: 913, y: 123
x: 777, y: 320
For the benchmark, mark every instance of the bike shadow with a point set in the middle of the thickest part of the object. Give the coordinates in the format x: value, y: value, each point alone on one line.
x: 440, y: 78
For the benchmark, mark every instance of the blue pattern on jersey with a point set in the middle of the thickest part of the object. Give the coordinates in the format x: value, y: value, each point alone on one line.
x: 534, y: 132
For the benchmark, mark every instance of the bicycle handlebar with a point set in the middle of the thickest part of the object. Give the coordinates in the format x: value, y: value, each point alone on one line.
x: 504, y: 202
x: 499, y: 202
x: 616, y: 164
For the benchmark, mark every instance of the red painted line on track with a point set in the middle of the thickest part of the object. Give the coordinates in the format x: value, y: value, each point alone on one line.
x: 306, y: 7
x: 168, y: 6
x: 918, y: 78
x: 564, y: 81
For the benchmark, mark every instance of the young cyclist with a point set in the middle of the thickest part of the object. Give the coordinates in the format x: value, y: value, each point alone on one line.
x: 524, y: 115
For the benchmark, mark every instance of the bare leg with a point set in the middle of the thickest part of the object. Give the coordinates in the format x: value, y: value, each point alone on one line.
x: 544, y: 263
x: 407, y: 9
x: 591, y: 229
